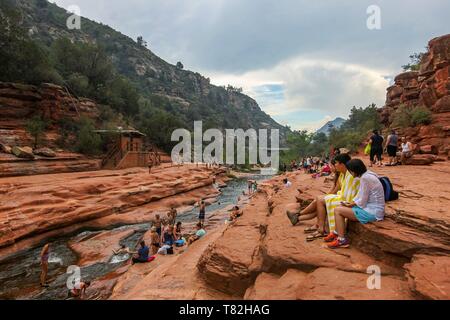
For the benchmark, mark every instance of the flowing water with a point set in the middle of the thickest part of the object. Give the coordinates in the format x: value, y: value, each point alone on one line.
x: 19, y: 275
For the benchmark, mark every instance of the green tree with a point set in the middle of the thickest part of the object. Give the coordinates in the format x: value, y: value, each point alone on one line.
x: 22, y: 60
x: 36, y: 127
x: 88, y: 141
x: 415, y: 60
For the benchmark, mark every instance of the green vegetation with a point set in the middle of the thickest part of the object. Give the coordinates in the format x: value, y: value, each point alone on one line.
x: 414, y: 63
x: 88, y: 142
x: 350, y: 135
x: 36, y: 127
x: 100, y: 63
x: 406, y: 116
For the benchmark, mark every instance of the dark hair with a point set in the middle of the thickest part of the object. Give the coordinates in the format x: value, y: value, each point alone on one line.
x: 393, y: 132
x: 285, y: 180
x: 142, y: 243
x: 356, y: 166
x: 179, y: 223
x: 199, y: 225
x: 342, y: 158
x: 87, y: 283
x: 375, y: 132
x: 236, y: 207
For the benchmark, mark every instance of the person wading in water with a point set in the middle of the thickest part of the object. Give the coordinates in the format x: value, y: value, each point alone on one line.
x: 45, y: 254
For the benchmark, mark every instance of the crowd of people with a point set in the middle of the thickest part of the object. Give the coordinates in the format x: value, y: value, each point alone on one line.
x: 357, y: 194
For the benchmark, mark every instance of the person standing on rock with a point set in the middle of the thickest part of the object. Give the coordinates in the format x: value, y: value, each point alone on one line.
x: 172, y: 215
x: 249, y: 186
x: 201, y: 215
x: 376, y: 150
x: 391, y: 147
x: 45, y: 254
x: 157, y: 224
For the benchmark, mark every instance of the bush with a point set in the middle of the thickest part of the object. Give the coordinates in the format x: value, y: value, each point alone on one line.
x: 420, y: 115
x: 405, y: 117
x: 88, y: 141
x: 36, y: 127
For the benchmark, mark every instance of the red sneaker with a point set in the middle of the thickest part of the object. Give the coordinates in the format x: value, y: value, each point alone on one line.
x: 339, y: 244
x: 330, y: 237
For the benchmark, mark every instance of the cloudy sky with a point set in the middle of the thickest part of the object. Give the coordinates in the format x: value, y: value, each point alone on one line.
x: 305, y: 62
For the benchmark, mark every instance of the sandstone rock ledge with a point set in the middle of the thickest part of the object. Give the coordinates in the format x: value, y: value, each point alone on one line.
x: 262, y: 256
x: 40, y: 207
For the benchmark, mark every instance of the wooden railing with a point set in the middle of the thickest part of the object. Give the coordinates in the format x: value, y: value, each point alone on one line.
x: 113, y: 153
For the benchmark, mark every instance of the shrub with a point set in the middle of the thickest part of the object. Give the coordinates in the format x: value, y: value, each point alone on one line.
x: 420, y: 115
x: 88, y: 141
x: 406, y: 117
x: 36, y: 127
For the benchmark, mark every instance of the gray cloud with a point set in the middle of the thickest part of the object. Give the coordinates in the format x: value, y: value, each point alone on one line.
x: 231, y: 38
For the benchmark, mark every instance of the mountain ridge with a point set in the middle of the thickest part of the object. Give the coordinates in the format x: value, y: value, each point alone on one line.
x: 185, y: 94
x: 336, y: 123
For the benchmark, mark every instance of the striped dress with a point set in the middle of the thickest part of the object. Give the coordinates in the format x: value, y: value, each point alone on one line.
x: 349, y: 190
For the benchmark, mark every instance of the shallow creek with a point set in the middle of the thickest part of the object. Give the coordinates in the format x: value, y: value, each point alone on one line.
x: 19, y: 275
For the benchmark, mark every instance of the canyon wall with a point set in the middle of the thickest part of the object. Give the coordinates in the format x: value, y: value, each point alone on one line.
x: 20, y: 102
x: 428, y: 87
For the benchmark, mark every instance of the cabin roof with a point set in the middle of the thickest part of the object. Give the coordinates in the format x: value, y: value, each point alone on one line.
x: 133, y: 132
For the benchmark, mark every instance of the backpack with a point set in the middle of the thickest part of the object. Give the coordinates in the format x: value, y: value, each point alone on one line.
x: 389, y: 193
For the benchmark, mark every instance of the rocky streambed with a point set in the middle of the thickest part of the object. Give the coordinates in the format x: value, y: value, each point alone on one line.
x: 90, y: 247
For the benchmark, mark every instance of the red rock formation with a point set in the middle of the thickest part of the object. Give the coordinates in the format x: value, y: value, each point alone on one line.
x: 428, y: 87
x: 19, y: 102
x: 262, y: 256
x: 39, y: 206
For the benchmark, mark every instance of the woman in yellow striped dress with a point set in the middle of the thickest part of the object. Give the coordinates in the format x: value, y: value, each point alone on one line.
x: 349, y: 190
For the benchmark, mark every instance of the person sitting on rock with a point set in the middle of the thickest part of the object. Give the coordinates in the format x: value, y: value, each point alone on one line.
x: 287, y: 183
x: 324, y: 205
x: 123, y: 250
x: 367, y: 206
x: 198, y: 234
x: 155, y: 240
x: 142, y: 254
x: 235, y: 213
x: 178, y: 231
x: 169, y: 236
x: 407, y: 150
x: 310, y: 211
x: 79, y: 290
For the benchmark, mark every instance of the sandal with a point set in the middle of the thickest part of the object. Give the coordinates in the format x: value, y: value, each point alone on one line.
x: 316, y: 235
x: 311, y: 229
x: 293, y: 217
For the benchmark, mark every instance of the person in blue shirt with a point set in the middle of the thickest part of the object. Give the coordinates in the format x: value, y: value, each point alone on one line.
x: 169, y: 236
x: 142, y: 254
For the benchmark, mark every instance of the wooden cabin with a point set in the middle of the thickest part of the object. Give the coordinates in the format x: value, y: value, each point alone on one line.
x: 128, y: 150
